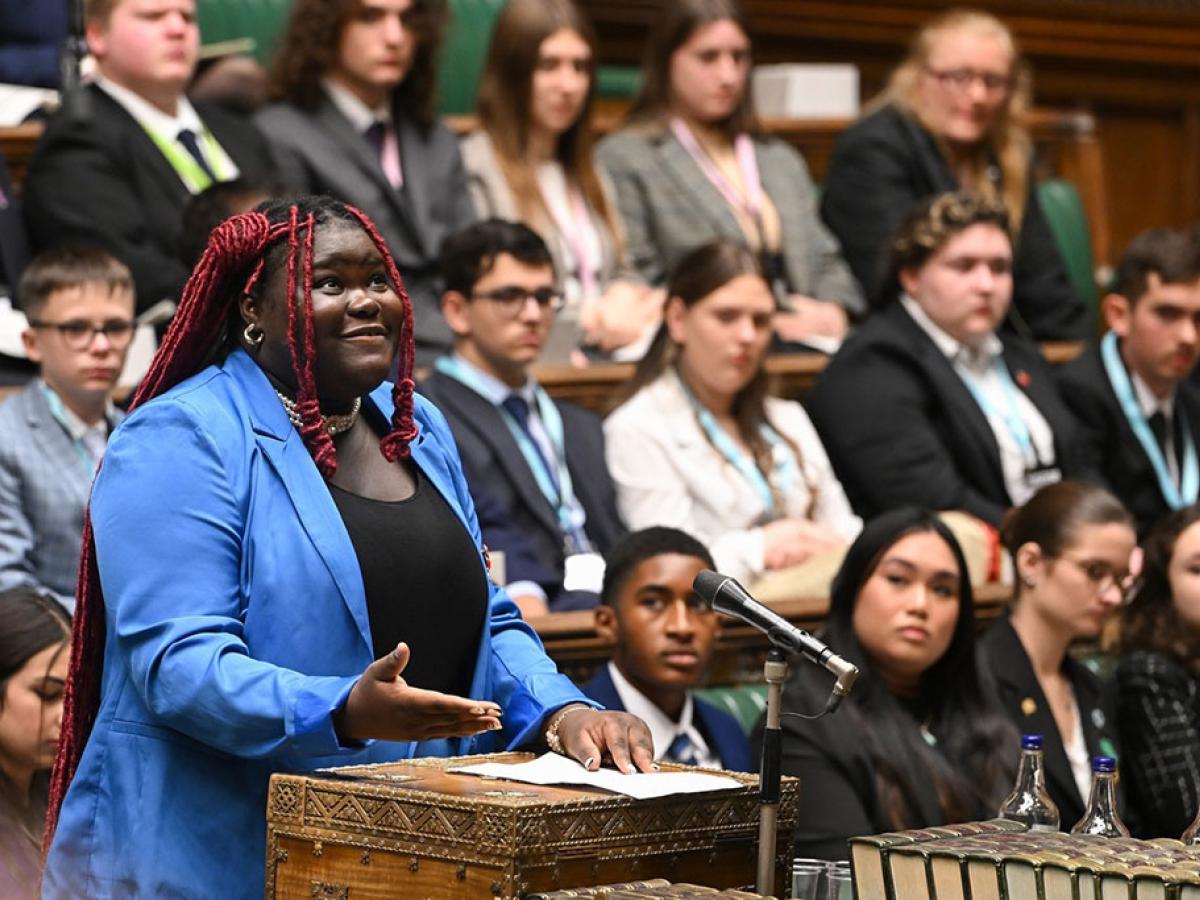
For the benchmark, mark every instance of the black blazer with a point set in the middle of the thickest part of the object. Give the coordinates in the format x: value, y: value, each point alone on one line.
x: 882, y: 166
x: 1108, y: 443
x: 493, y: 463
x: 1022, y: 699
x: 96, y: 177
x: 901, y: 428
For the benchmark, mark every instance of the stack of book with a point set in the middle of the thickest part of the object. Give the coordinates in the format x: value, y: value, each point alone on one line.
x: 1002, y: 860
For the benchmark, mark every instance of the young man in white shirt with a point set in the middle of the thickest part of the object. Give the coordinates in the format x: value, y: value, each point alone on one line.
x: 79, y: 304
x: 663, y: 637
x: 1130, y: 390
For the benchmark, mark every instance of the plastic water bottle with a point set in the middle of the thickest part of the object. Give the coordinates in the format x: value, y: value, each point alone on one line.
x: 1029, y: 801
x: 1101, y: 817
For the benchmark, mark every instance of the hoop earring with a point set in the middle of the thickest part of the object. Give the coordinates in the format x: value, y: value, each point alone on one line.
x: 254, y: 335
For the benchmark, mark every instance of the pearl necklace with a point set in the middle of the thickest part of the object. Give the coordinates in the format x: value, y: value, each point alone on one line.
x: 332, y: 424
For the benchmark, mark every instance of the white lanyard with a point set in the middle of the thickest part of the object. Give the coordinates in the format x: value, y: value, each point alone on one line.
x: 560, y: 494
x: 1189, y: 487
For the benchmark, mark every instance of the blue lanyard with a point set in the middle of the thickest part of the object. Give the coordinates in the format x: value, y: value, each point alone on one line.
x: 60, y: 416
x: 1010, y: 415
x: 561, y: 496
x: 784, y: 467
x: 1186, y: 492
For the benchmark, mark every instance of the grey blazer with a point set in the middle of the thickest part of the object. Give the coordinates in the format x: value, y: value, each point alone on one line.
x: 319, y: 152
x: 669, y: 207
x: 44, y: 486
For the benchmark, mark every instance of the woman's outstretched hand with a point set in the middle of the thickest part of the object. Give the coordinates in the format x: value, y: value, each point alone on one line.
x: 591, y: 736
x: 383, y: 706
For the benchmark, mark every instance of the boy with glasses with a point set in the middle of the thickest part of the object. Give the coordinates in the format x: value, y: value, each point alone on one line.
x: 540, y: 460
x: 79, y: 303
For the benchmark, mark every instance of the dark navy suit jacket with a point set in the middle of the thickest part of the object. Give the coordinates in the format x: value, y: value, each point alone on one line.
x: 725, y: 737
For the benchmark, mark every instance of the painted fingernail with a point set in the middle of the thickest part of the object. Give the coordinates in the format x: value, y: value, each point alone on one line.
x: 587, y: 763
x: 656, y: 767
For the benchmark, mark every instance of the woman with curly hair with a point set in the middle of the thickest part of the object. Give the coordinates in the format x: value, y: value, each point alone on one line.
x: 354, y: 85
x: 952, y: 118
x: 1158, y: 678
x: 282, y: 571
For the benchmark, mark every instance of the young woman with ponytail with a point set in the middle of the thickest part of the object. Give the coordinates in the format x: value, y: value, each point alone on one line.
x: 282, y: 571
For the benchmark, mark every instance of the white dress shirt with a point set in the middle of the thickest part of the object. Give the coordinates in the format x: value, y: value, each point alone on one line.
x: 976, y: 366
x: 662, y: 729
x: 167, y: 127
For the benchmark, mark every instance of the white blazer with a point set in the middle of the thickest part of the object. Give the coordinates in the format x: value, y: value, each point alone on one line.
x: 667, y: 473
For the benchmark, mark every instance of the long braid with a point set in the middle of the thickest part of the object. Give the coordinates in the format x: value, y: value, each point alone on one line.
x: 239, y: 243
x: 395, y: 444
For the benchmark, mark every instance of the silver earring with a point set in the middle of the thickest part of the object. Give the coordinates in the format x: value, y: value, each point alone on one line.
x: 253, y: 335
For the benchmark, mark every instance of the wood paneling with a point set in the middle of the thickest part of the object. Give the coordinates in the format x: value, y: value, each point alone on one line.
x: 1134, y: 65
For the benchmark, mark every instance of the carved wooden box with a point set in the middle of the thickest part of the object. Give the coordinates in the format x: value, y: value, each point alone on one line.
x: 413, y: 830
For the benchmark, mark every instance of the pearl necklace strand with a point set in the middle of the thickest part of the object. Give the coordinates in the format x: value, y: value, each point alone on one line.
x: 335, y: 424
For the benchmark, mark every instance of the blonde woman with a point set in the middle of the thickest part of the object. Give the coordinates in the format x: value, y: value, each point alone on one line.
x: 951, y: 118
x: 531, y: 162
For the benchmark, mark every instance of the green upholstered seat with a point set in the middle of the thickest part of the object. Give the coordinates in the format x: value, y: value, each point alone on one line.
x: 745, y: 702
x: 1064, y: 211
x: 463, y: 55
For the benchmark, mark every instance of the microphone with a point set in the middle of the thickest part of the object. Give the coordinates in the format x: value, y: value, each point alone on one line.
x: 729, y: 598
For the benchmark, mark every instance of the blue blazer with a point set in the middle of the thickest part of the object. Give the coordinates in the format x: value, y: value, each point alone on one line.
x: 718, y: 727
x: 236, y: 627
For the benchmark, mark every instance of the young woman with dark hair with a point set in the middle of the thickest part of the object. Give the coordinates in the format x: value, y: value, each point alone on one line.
x: 1158, y: 679
x: 1070, y: 545
x: 692, y: 165
x: 282, y: 571
x: 920, y: 741
x: 698, y: 444
x: 952, y: 117
x: 34, y: 633
x: 532, y: 161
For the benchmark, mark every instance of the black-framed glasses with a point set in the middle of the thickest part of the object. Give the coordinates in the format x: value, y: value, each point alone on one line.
x: 78, y: 334
x: 961, y: 79
x: 512, y: 299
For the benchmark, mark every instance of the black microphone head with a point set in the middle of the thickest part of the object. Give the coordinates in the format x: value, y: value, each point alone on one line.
x: 707, y: 583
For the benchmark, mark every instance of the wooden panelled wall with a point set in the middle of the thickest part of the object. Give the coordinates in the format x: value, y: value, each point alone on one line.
x: 1134, y: 64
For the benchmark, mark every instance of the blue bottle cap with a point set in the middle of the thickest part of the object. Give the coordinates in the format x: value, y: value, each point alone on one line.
x: 1031, y: 742
x: 1104, y: 764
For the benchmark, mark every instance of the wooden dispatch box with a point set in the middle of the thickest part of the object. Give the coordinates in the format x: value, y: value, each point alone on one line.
x: 413, y: 830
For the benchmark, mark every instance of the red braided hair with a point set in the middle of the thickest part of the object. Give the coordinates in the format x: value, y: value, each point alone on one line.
x: 233, y: 264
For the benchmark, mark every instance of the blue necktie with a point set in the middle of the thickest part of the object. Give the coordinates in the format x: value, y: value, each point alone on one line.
x: 682, y: 750
x: 187, y: 137
x: 518, y: 408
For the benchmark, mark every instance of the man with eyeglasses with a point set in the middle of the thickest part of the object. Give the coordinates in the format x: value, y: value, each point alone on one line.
x: 79, y: 303
x: 539, y: 461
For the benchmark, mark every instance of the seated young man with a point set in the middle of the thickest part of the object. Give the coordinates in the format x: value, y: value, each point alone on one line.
x: 79, y: 304
x: 1130, y: 390
x: 540, y: 460
x: 663, y: 635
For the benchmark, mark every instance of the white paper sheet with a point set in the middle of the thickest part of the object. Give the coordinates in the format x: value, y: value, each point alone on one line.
x: 551, y: 768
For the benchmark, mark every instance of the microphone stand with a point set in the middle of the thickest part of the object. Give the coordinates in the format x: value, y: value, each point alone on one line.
x: 775, y: 674
x: 75, y: 49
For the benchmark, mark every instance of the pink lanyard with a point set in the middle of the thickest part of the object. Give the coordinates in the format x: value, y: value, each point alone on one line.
x: 574, y: 234
x: 743, y: 149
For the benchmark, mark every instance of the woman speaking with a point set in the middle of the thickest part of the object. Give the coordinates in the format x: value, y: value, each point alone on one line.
x: 283, y: 572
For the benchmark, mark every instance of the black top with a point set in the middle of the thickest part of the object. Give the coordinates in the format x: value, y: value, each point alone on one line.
x: 1021, y: 696
x: 422, y: 581
x: 1158, y: 708
x: 887, y: 162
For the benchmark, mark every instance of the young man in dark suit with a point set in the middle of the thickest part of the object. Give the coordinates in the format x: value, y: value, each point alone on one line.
x: 542, y: 461
x: 1130, y: 391
x: 118, y: 162
x: 356, y: 83
x: 663, y: 635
